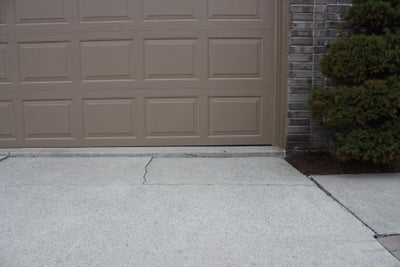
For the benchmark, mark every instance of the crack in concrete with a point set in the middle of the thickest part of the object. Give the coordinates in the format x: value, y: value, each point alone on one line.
x: 386, y: 235
x: 341, y: 204
x: 146, y: 170
x: 4, y: 157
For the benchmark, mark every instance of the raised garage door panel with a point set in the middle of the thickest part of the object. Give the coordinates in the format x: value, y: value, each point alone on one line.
x: 137, y: 72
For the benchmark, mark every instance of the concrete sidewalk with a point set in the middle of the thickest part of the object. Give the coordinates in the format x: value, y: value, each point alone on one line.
x: 144, y: 211
x: 374, y: 199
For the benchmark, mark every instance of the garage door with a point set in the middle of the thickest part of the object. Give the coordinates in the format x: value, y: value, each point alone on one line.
x: 136, y: 72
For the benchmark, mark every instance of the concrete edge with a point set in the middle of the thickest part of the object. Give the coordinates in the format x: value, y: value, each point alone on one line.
x: 157, y: 152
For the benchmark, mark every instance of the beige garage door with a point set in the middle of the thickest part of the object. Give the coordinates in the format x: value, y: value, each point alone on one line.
x: 137, y: 72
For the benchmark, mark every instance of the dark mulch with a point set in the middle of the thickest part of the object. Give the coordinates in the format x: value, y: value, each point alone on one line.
x: 322, y: 163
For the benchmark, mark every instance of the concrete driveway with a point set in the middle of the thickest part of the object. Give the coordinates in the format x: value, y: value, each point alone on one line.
x: 143, y: 211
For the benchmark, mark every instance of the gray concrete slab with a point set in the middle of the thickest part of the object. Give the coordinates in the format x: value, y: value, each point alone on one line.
x: 70, y: 171
x: 96, y: 211
x: 374, y: 198
x: 181, y: 226
x: 172, y: 152
x: 392, y: 244
x: 273, y: 171
x: 396, y: 254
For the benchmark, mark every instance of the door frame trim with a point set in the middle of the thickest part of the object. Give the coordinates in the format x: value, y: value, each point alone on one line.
x: 281, y: 57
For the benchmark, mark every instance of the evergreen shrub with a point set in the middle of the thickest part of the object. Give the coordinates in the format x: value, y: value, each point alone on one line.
x: 362, y: 108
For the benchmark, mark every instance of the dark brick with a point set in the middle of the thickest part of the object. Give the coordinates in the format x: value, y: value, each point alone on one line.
x: 313, y: 25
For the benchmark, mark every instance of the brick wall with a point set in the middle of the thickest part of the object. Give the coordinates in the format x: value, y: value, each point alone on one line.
x: 313, y: 24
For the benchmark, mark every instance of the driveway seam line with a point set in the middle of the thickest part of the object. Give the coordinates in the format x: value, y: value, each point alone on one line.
x: 320, y: 186
x: 146, y: 170
x: 107, y: 185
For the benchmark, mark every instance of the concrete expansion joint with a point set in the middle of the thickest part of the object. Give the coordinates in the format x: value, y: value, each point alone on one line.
x: 229, y: 184
x: 146, y: 170
x: 341, y: 204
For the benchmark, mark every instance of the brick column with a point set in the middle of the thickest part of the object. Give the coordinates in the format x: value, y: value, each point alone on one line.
x: 313, y: 24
